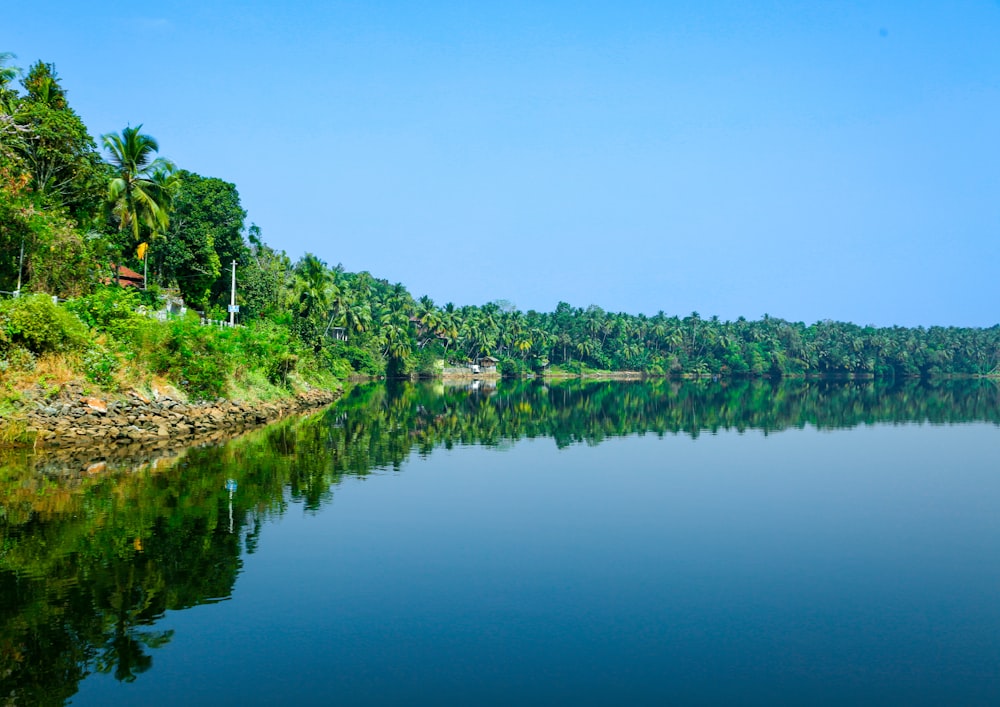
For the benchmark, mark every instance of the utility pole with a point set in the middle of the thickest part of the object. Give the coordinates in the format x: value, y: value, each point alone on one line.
x: 232, y: 299
x: 20, y: 268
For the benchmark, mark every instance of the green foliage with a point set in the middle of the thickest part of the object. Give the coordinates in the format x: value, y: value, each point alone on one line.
x: 61, y: 262
x: 100, y: 366
x: 338, y: 367
x: 57, y: 258
x: 204, y: 237
x: 514, y: 367
x: 57, y: 150
x: 40, y: 325
x: 400, y: 367
x: 151, y: 297
x: 268, y: 348
x: 199, y: 359
x: 16, y: 359
x: 428, y: 362
x: 141, y: 187
x: 110, y: 309
x: 52, y: 185
x: 262, y: 279
x: 363, y: 361
x: 202, y: 360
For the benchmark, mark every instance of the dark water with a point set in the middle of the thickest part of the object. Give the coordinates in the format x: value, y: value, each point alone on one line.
x: 572, y: 544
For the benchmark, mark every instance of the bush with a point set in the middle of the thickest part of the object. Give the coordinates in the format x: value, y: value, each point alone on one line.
x: 17, y: 358
x: 269, y: 348
x: 109, y: 310
x: 197, y: 358
x: 340, y: 368
x: 100, y: 366
x: 151, y: 297
x: 428, y: 362
x: 41, y: 325
x: 363, y: 361
x: 539, y: 363
x: 514, y: 367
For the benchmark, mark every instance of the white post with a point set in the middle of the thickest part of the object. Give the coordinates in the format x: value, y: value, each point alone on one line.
x: 232, y: 299
x: 20, y: 268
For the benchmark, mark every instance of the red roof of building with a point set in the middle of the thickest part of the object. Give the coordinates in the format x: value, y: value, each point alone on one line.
x: 127, y: 276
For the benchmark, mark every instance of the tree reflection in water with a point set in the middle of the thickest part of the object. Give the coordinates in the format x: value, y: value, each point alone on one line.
x: 90, y: 562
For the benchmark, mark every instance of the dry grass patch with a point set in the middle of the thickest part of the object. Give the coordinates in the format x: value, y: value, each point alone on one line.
x: 57, y: 369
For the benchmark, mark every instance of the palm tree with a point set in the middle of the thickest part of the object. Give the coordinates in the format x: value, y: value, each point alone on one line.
x: 314, y: 286
x: 7, y: 73
x: 450, y: 325
x: 139, y: 192
x: 8, y: 96
x: 357, y: 315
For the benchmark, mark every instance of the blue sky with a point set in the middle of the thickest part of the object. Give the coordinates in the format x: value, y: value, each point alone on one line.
x: 811, y: 160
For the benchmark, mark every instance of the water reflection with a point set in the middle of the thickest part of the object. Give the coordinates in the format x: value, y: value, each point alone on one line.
x: 93, y: 551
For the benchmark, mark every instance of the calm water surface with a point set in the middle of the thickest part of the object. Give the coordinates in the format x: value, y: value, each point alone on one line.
x: 570, y: 544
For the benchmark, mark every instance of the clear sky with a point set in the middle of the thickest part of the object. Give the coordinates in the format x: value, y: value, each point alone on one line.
x: 811, y: 160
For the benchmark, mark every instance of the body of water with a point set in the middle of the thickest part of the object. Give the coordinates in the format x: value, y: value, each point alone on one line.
x: 598, y: 543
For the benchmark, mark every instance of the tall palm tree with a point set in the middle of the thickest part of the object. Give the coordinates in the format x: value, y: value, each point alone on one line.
x: 7, y: 73
x: 357, y: 315
x: 8, y: 96
x: 314, y: 286
x: 139, y: 191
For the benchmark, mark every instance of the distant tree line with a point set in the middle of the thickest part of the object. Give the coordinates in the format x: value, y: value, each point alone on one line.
x: 70, y: 210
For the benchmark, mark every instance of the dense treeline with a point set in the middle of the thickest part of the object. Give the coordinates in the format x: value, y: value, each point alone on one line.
x: 69, y: 210
x: 690, y: 345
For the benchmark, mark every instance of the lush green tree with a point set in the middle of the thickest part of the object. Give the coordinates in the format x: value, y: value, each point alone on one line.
x: 48, y: 184
x: 204, y: 235
x: 262, y: 279
x: 316, y: 295
x: 139, y: 191
x: 58, y: 151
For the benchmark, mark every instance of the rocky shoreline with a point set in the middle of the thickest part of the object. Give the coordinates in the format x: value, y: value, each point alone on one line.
x: 73, y: 418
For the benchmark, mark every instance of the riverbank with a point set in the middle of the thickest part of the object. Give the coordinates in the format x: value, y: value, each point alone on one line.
x: 74, y: 416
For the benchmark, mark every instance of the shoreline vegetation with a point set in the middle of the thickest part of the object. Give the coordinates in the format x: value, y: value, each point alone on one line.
x: 117, y: 271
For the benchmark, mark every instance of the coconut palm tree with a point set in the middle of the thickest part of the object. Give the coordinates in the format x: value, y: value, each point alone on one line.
x: 8, y: 99
x: 314, y: 286
x: 7, y: 73
x: 139, y: 192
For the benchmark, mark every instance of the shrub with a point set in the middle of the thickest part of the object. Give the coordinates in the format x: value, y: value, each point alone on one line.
x: 150, y: 297
x: 100, y: 366
x: 340, y: 368
x: 197, y: 358
x: 363, y: 361
x: 513, y: 367
x: 428, y: 362
x: 41, y: 325
x: 111, y: 310
x: 17, y: 358
x: 269, y: 348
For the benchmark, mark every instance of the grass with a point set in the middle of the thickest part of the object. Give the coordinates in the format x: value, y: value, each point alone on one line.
x: 45, y: 348
x: 129, y: 369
